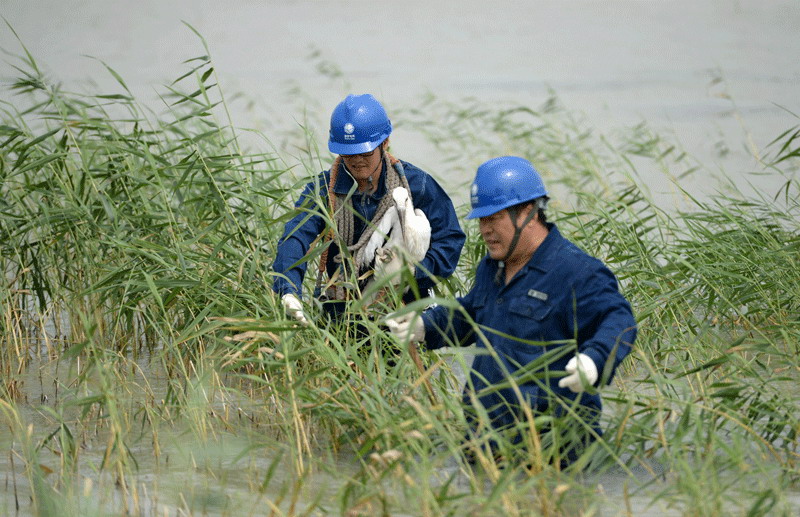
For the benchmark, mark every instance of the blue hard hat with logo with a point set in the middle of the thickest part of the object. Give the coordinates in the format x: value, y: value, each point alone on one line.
x: 358, y: 125
x: 503, y: 182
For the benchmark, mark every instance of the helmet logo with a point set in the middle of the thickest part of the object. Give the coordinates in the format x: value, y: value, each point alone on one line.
x: 349, y: 129
x: 474, y: 194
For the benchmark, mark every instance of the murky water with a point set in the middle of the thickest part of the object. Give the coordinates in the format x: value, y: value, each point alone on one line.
x: 231, y: 473
x: 719, y: 76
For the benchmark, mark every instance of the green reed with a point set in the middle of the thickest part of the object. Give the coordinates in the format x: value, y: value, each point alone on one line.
x: 137, y: 247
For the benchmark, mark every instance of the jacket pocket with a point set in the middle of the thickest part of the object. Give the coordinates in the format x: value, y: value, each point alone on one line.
x: 479, y: 305
x: 530, y: 308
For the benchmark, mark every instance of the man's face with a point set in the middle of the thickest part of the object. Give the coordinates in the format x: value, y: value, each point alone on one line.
x: 362, y: 166
x: 497, y: 231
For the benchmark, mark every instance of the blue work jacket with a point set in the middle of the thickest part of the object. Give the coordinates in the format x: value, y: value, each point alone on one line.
x: 447, y: 238
x: 563, y: 297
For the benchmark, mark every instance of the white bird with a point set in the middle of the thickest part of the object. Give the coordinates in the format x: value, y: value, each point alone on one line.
x: 408, y: 241
x: 402, y: 235
x: 416, y: 227
x: 381, y: 234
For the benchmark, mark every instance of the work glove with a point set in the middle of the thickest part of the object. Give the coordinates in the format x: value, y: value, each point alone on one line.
x: 294, y: 308
x: 407, y: 328
x: 580, y: 365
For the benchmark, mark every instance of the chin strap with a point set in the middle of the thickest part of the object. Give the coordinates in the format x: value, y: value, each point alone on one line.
x: 513, y: 212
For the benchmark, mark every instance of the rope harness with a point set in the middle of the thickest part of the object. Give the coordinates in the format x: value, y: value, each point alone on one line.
x: 341, y: 206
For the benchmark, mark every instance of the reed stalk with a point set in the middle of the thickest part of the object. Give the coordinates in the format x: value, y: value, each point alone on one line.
x: 137, y: 248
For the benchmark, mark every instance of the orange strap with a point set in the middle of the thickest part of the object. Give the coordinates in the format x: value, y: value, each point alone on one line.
x: 323, y: 259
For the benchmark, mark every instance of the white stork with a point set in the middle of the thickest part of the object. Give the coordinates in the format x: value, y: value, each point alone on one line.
x: 408, y: 237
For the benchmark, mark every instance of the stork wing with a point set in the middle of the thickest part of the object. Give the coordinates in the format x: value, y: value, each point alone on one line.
x: 416, y: 227
x: 417, y: 234
x: 376, y: 240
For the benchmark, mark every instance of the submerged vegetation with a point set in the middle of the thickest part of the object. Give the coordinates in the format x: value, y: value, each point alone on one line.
x: 146, y: 367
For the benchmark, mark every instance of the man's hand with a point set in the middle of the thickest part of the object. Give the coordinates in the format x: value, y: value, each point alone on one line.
x: 407, y: 328
x: 294, y: 308
x: 388, y: 264
x: 579, y: 366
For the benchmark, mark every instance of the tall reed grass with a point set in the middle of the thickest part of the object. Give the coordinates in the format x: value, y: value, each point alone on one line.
x: 136, y: 246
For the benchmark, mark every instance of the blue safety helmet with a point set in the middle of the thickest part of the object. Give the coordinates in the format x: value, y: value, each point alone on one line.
x: 358, y: 125
x: 503, y: 182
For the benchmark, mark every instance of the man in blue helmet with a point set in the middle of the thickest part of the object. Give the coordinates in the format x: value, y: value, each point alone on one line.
x: 360, y: 193
x: 548, y: 319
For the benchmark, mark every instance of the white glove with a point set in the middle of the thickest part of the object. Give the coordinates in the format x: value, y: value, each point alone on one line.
x: 580, y: 365
x: 407, y: 328
x: 294, y: 308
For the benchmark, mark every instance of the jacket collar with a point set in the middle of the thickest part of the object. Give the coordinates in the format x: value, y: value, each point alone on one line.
x: 542, y: 257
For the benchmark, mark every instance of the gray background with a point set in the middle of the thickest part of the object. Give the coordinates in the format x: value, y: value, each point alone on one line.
x: 717, y: 76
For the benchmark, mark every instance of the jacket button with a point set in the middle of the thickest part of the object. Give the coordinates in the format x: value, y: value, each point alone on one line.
x: 499, y: 301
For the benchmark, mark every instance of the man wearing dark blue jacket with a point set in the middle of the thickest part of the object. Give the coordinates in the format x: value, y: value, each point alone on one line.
x: 359, y: 194
x: 548, y: 319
